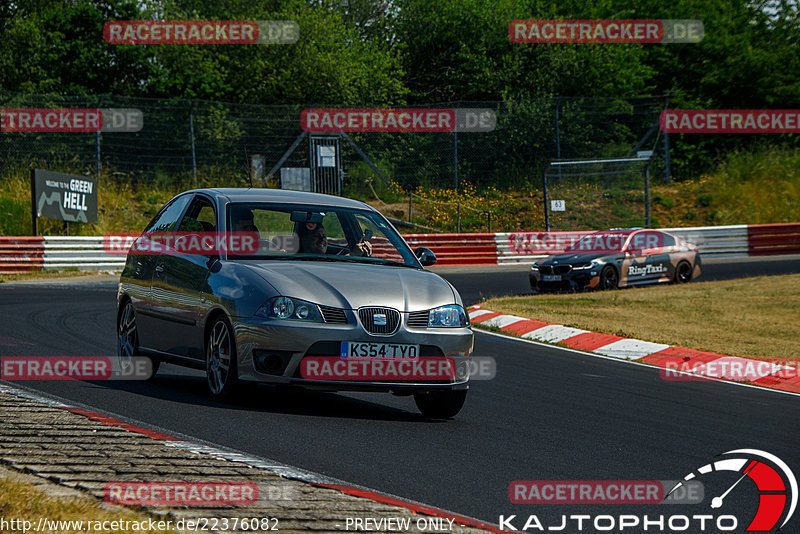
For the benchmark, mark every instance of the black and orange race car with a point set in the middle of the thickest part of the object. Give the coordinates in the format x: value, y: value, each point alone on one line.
x: 618, y: 258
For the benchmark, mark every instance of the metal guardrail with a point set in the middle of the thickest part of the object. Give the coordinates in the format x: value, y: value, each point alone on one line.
x: 18, y: 254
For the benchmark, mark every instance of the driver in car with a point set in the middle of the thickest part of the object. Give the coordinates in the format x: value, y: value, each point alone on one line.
x: 243, y: 221
x: 314, y: 240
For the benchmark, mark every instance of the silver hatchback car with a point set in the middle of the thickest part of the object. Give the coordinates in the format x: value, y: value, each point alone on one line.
x: 324, y: 294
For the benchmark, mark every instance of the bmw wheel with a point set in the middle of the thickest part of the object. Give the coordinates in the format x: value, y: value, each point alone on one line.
x: 609, y: 278
x: 440, y: 404
x: 221, y: 359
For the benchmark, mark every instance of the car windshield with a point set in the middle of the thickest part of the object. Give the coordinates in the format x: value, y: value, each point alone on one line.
x: 319, y: 233
x: 599, y: 243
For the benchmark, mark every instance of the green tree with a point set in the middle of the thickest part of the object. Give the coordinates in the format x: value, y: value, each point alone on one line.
x: 57, y: 47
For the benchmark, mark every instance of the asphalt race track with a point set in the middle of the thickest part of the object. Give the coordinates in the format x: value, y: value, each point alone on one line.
x: 549, y: 413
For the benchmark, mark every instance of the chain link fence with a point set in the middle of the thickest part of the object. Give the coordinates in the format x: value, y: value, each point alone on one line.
x: 204, y: 143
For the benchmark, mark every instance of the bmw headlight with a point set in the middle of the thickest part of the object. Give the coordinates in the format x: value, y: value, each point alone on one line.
x: 450, y: 316
x: 586, y: 265
x: 289, y: 308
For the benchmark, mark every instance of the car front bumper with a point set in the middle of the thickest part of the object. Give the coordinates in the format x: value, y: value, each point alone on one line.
x: 261, y: 342
x: 575, y: 280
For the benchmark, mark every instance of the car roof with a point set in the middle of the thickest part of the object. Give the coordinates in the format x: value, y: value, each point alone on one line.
x: 255, y: 194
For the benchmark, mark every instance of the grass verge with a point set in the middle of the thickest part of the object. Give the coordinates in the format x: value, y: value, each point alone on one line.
x: 21, y: 500
x: 750, y: 318
x: 46, y: 275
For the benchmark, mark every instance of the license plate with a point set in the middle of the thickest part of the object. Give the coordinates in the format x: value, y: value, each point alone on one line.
x: 352, y: 350
x: 551, y: 278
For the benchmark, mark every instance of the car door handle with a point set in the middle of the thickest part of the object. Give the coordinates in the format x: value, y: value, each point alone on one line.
x: 159, y: 268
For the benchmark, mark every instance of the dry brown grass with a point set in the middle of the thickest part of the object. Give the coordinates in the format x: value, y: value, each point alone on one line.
x: 753, y: 317
x: 20, y: 500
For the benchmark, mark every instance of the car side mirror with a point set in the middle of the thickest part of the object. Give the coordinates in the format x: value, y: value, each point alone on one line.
x: 425, y: 256
x: 213, y: 264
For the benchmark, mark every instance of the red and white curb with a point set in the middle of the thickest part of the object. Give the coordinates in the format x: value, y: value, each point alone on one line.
x: 704, y: 364
x: 283, y: 470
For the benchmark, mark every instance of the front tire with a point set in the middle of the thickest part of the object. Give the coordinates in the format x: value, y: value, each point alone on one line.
x: 609, y: 279
x: 221, y: 369
x: 128, y: 341
x: 440, y: 404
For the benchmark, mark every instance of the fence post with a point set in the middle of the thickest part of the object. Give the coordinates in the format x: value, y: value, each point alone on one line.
x: 34, y: 226
x: 410, y: 197
x: 667, y: 176
x: 458, y: 218
x: 558, y: 138
x: 455, y: 160
x: 194, y: 159
x: 489, y: 220
x: 98, y: 153
x: 546, y: 210
x: 647, y: 195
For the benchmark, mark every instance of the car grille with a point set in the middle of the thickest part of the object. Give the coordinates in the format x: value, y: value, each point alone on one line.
x: 367, y: 317
x: 418, y: 319
x: 555, y: 269
x: 333, y: 315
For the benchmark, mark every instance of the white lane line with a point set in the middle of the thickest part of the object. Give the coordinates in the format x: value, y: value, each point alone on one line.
x: 630, y: 349
x: 553, y: 333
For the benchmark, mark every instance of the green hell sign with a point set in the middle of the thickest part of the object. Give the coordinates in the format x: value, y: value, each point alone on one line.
x: 64, y: 197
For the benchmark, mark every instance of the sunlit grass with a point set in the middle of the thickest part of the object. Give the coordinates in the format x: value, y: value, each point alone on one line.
x: 753, y: 317
x: 746, y: 188
x: 20, y: 500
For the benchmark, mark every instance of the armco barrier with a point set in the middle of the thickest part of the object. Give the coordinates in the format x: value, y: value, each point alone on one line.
x: 20, y: 254
x: 83, y: 252
x: 729, y: 241
x: 55, y: 252
x: 455, y: 249
x: 767, y: 239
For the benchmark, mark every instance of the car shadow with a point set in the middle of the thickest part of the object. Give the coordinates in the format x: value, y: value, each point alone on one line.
x: 193, y: 390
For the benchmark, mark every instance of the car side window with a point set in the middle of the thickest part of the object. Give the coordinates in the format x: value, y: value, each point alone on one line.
x: 199, y: 217
x: 646, y: 241
x: 166, y: 219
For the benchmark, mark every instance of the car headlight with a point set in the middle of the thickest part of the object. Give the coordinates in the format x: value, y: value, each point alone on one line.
x: 450, y: 316
x: 291, y: 309
x: 588, y: 265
